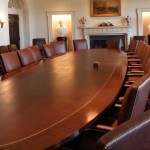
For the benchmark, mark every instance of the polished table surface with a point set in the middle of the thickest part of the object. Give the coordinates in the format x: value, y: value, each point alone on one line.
x: 51, y: 101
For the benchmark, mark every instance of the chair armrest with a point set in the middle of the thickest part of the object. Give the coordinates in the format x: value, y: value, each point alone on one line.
x: 130, y: 53
x: 132, y: 56
x: 135, y: 71
x: 136, y: 66
x: 135, y: 74
x: 129, y: 82
x: 133, y: 60
x: 104, y: 127
x: 127, y: 85
x: 118, y: 105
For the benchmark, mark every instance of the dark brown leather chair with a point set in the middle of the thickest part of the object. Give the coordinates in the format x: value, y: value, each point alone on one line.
x: 11, y: 64
x: 134, y: 102
x: 59, y: 47
x: 39, y: 42
x: 133, y: 134
x: 26, y: 57
x: 49, y: 50
x: 113, y: 43
x: 4, y: 49
x: 80, y: 44
x: 139, y: 68
x: 12, y: 47
x: 36, y: 53
x: 140, y: 38
x: 133, y: 46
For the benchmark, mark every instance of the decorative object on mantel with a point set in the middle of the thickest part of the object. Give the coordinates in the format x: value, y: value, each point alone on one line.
x: 83, y: 20
x: 106, y: 24
x: 128, y: 19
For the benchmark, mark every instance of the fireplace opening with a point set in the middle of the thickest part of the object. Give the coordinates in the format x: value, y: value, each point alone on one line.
x: 99, y: 41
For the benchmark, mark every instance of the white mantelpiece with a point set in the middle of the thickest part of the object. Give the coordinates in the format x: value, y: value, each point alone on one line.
x: 107, y: 30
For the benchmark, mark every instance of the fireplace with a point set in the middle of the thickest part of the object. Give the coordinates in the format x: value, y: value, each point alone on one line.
x: 97, y: 36
x: 99, y: 41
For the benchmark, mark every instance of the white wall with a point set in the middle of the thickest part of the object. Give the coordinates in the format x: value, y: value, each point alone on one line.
x: 81, y: 8
x: 36, y: 19
x: 4, y: 32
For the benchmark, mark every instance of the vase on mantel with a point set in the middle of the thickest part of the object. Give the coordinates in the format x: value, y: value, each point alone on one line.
x: 128, y: 19
x: 83, y: 20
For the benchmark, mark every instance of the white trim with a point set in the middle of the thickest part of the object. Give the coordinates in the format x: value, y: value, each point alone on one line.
x: 140, y: 22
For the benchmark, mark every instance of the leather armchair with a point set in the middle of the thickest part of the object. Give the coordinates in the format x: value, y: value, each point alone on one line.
x: 59, y: 47
x: 140, y: 38
x: 133, y: 47
x: 39, y: 42
x: 113, y: 43
x: 49, y: 50
x: 4, y: 49
x: 133, y: 134
x: 80, y: 44
x: 25, y: 56
x: 12, y: 47
x: 35, y: 53
x: 134, y: 102
x: 11, y: 64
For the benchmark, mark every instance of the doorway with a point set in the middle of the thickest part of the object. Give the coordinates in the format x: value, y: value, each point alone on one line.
x: 14, y: 34
x: 68, y: 20
x: 143, y: 21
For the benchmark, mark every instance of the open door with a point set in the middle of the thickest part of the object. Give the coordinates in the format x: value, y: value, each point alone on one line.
x: 14, y: 29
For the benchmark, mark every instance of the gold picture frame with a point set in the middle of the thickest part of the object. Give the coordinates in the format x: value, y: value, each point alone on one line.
x: 105, y: 8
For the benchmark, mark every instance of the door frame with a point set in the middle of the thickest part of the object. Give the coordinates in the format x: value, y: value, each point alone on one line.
x: 140, y: 19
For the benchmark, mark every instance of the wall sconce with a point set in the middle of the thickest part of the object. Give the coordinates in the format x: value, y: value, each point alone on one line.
x: 1, y: 24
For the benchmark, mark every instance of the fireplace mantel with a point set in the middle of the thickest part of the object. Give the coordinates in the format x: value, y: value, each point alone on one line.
x: 107, y: 30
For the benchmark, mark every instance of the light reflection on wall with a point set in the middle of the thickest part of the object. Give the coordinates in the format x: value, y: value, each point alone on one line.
x: 66, y: 19
x: 146, y: 22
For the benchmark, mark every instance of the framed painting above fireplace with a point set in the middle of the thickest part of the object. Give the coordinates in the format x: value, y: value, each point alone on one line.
x: 105, y: 8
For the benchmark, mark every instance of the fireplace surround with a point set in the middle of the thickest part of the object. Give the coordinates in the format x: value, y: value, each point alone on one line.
x: 104, y: 32
x: 99, y: 41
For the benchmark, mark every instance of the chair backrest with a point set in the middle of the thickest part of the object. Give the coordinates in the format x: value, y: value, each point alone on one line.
x: 144, y: 49
x: 133, y: 134
x: 10, y: 61
x: 25, y: 56
x: 133, y: 45
x: 59, y: 47
x: 12, y: 47
x: 80, y: 44
x: 4, y: 49
x: 135, y: 99
x: 139, y: 49
x: 147, y: 66
x: 145, y: 59
x: 140, y: 38
x: 35, y: 52
x: 114, y: 43
x: 39, y: 42
x: 49, y: 50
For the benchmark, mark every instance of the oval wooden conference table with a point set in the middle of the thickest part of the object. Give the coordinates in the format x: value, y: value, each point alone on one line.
x: 49, y: 102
